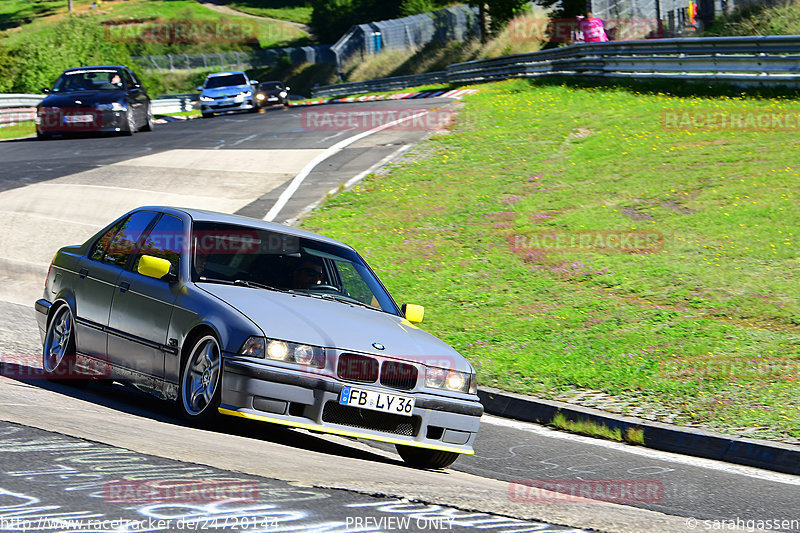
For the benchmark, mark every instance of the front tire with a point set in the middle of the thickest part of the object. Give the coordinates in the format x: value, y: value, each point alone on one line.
x: 201, y: 377
x: 58, y: 350
x: 425, y: 458
x: 148, y: 125
x: 130, y: 123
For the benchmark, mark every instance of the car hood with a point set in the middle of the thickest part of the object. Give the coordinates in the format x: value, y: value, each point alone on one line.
x: 86, y: 98
x: 228, y: 90
x: 333, y: 324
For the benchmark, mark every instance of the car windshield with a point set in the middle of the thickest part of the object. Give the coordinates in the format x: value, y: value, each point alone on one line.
x: 271, y: 86
x: 89, y: 80
x: 225, y: 81
x: 250, y: 256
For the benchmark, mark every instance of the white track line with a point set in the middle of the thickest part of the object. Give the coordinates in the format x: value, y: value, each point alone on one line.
x: 700, y: 462
x: 336, y: 148
x: 349, y: 183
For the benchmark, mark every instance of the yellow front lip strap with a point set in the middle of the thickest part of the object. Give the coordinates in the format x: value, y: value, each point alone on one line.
x: 343, y: 433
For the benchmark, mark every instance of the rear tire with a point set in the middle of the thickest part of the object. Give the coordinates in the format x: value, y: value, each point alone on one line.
x: 425, y: 458
x: 201, y: 379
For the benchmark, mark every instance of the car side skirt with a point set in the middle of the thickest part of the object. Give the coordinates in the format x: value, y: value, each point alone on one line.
x: 341, y: 432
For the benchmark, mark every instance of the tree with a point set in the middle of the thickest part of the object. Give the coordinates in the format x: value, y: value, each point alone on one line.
x: 494, y: 14
x: 6, y: 70
x: 75, y: 41
x: 332, y: 18
x: 568, y: 8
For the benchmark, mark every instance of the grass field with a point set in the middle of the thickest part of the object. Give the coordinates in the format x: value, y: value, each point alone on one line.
x: 23, y: 129
x: 22, y: 18
x: 569, y: 239
x: 291, y: 10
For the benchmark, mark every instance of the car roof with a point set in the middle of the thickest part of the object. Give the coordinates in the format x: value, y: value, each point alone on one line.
x: 218, y: 74
x: 202, y: 215
x: 97, y: 66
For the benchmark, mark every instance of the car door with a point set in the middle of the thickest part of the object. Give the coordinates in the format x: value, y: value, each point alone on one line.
x: 142, y: 307
x: 98, y: 274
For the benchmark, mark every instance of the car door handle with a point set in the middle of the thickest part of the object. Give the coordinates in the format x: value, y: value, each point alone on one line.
x: 83, y: 272
x: 124, y: 286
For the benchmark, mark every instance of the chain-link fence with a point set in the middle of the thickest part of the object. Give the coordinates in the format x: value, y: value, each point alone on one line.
x: 673, y: 17
x: 268, y: 57
x: 449, y: 24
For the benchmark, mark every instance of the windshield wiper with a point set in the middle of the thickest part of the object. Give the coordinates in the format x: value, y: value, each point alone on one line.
x: 347, y: 300
x: 257, y: 285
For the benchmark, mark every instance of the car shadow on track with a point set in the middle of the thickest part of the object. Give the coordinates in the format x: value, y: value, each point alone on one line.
x: 131, y: 401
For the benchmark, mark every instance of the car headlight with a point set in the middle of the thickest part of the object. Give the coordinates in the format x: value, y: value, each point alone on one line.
x: 451, y: 380
x: 283, y: 94
x: 245, y: 93
x: 289, y: 352
x: 113, y: 106
x: 260, y: 96
x: 206, y: 99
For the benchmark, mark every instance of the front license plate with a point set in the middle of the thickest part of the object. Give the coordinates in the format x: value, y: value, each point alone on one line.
x: 72, y: 119
x: 377, y: 401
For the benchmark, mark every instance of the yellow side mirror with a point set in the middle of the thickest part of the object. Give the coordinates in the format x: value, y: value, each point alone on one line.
x: 153, y: 267
x: 414, y: 313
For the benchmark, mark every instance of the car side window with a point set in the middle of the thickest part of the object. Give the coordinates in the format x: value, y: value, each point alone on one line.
x: 124, y: 242
x: 135, y: 79
x: 128, y: 80
x: 164, y: 241
x: 101, y: 245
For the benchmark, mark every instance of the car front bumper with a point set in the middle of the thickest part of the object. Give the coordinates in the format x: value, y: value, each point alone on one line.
x: 229, y: 105
x: 312, y: 402
x: 42, y: 308
x: 91, y: 121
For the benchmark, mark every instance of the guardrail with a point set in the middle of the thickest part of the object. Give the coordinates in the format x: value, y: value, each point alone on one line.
x: 16, y: 108
x: 765, y: 61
